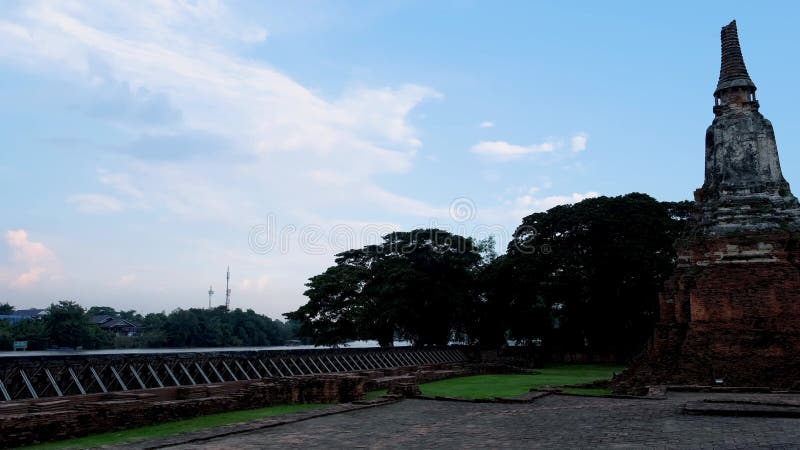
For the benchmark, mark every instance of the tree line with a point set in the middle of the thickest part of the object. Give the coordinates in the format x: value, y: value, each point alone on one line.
x: 577, y: 278
x: 68, y: 324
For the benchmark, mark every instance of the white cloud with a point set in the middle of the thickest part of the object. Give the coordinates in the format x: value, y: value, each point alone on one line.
x: 95, y: 203
x: 535, y: 204
x: 29, y: 261
x: 127, y: 195
x: 210, y: 135
x: 328, y: 178
x: 230, y: 139
x: 271, y: 125
x: 120, y: 182
x: 486, y: 124
x: 577, y: 142
x: 127, y: 279
x: 213, y: 89
x: 504, y: 151
x: 381, y: 113
x: 259, y: 284
x: 526, y: 202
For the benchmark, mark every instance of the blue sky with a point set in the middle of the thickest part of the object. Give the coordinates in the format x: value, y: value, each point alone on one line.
x: 147, y: 145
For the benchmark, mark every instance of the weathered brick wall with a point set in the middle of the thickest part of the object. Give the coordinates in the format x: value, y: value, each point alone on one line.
x: 731, y: 311
x: 31, y: 421
x: 34, y: 421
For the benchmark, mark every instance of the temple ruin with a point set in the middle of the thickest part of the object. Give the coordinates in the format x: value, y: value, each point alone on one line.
x: 730, y: 313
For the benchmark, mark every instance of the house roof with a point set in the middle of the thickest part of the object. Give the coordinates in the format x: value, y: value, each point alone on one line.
x: 101, y: 318
x: 118, y: 323
x: 32, y: 312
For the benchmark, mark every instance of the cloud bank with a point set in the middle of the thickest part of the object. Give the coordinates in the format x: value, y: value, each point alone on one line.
x: 30, y: 262
x: 505, y: 151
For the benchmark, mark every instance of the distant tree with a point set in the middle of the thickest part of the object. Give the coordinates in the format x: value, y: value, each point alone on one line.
x: 67, y: 325
x: 101, y: 311
x: 33, y: 331
x: 5, y: 309
x: 154, y: 321
x: 152, y: 339
x: 197, y: 327
x: 254, y: 329
x: 182, y: 328
x: 6, y: 336
x: 97, y: 338
x: 130, y: 315
x: 291, y: 330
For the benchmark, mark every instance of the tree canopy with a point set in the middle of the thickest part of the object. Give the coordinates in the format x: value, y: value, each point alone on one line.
x: 67, y: 324
x: 416, y: 285
x: 582, y: 277
x: 586, y: 277
x: 576, y: 278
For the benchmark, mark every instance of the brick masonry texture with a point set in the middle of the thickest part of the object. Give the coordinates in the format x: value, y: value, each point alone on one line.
x: 55, y: 419
x: 730, y: 313
x: 51, y: 419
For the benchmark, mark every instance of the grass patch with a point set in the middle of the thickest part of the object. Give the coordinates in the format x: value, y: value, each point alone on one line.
x: 512, y: 385
x: 568, y: 374
x: 480, y: 386
x: 177, y: 427
x: 375, y: 394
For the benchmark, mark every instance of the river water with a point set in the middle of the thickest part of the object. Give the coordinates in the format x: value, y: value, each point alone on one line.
x: 124, y: 351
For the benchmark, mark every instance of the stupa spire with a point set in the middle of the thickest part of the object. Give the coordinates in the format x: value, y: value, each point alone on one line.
x: 742, y: 164
x: 732, y: 72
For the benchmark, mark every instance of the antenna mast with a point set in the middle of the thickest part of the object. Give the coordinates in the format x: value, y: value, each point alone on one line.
x: 228, y: 290
x: 210, y: 293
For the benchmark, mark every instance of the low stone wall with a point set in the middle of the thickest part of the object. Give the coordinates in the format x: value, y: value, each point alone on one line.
x: 58, y: 418
x: 55, y: 419
x: 384, y: 379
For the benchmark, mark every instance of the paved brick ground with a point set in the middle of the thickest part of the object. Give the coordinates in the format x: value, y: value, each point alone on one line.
x: 550, y: 422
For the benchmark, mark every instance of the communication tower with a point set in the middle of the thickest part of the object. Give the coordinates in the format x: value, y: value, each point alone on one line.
x: 228, y: 290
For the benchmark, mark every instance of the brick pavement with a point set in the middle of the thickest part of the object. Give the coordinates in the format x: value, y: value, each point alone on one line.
x: 549, y: 422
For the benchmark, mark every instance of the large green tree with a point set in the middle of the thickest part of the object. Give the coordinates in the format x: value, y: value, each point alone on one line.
x: 586, y: 277
x: 68, y: 325
x: 417, y: 285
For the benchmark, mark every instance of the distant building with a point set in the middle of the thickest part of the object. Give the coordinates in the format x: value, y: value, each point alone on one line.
x: 13, y: 319
x: 23, y: 314
x: 32, y: 313
x: 120, y: 327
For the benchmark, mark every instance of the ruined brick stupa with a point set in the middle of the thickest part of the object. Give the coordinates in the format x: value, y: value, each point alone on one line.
x: 730, y: 314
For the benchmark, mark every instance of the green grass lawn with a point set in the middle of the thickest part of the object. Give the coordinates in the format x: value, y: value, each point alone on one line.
x: 512, y: 385
x: 170, y: 428
x: 478, y: 386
